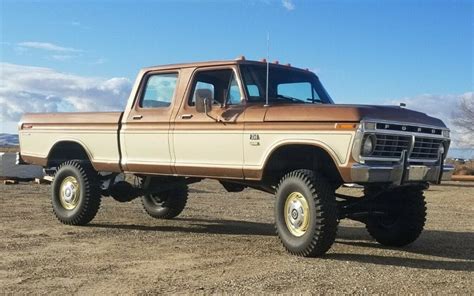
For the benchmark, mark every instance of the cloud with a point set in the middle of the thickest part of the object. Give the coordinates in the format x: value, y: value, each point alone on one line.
x: 288, y: 4
x: 46, y: 46
x: 444, y: 107
x: 99, y: 61
x: 36, y: 89
x: 62, y: 57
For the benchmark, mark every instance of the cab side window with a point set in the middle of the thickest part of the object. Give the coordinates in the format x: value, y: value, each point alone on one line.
x: 159, y: 90
x: 219, y: 86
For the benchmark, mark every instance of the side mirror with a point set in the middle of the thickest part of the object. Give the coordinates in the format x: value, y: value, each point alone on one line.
x: 203, y: 105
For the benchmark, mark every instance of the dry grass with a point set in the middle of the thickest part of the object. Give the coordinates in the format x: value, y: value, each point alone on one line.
x: 224, y: 243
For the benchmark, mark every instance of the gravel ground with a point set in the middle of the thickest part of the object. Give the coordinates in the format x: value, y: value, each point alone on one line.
x: 224, y: 242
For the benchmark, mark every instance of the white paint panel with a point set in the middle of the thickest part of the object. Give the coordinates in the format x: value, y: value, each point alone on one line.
x: 100, y: 145
x: 208, y: 148
x: 255, y: 152
x: 148, y: 147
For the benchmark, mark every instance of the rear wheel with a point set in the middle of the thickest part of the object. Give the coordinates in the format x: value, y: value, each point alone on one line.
x: 167, y: 204
x: 305, y: 213
x: 404, y: 219
x: 75, y: 193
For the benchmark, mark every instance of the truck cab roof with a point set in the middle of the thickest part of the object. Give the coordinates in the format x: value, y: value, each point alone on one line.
x: 238, y: 61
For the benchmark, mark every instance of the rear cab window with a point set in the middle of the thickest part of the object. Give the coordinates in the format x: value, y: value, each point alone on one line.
x: 159, y: 90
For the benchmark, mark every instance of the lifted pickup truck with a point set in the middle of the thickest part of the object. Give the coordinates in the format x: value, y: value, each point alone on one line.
x: 187, y: 122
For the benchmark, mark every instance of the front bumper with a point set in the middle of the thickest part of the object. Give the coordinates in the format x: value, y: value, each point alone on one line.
x: 362, y: 173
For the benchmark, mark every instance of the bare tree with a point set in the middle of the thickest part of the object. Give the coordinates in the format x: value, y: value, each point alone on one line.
x: 463, y: 119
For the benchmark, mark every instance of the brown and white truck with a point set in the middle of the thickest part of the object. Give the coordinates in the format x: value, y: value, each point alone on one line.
x: 187, y: 122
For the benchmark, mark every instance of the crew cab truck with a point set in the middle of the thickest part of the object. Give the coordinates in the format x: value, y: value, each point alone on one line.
x: 187, y: 122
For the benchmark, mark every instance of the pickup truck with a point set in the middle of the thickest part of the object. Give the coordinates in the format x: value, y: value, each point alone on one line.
x: 247, y: 124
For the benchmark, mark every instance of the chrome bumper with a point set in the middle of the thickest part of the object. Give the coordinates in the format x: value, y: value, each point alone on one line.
x: 398, y: 174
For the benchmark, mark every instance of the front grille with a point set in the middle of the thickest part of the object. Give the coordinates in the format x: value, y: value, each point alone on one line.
x: 426, y: 148
x: 390, y: 146
x: 408, y: 128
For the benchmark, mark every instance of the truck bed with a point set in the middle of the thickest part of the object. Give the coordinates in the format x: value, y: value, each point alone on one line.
x: 96, y: 131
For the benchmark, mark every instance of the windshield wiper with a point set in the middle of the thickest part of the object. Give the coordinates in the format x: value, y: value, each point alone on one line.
x: 290, y: 99
x: 315, y: 101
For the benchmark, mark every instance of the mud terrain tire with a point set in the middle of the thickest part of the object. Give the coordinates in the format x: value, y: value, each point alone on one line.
x: 305, y: 213
x: 405, y: 220
x: 75, y: 193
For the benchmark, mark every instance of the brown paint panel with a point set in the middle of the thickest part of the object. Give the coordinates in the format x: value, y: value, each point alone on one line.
x: 42, y: 161
x: 98, y: 166
x: 254, y: 113
x: 148, y: 126
x: 90, y: 119
x: 253, y: 174
x: 208, y: 126
x: 345, y: 172
x: 149, y: 168
x: 346, y: 113
x: 106, y: 167
x: 210, y: 172
x: 296, y: 126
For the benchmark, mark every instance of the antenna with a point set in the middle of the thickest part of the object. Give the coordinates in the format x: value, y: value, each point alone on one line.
x: 268, y: 69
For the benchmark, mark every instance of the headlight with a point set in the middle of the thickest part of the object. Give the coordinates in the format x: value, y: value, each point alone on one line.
x: 446, y: 133
x: 368, y: 146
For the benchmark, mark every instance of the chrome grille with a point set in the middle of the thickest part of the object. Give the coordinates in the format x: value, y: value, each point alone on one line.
x: 425, y: 148
x: 390, y: 146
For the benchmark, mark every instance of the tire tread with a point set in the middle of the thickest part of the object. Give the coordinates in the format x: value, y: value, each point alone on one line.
x: 326, y: 213
x: 91, y: 191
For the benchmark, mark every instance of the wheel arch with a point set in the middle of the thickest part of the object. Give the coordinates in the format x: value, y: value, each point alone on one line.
x: 67, y: 149
x: 288, y: 156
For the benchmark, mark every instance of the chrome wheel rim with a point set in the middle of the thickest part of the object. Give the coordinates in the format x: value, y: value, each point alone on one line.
x: 297, y: 214
x: 69, y: 193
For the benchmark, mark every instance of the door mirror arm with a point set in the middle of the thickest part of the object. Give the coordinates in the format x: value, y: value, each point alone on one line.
x: 208, y: 106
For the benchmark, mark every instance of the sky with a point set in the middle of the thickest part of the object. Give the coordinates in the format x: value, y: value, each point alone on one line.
x: 84, y: 55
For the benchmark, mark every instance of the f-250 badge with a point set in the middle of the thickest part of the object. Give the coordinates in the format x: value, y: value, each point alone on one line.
x: 254, y: 137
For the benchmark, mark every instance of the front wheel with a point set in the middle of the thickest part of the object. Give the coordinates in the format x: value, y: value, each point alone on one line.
x: 75, y: 193
x: 305, y: 213
x: 404, y: 219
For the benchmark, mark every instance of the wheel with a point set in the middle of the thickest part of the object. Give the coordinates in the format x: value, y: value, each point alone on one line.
x: 167, y: 204
x: 404, y: 220
x: 75, y: 193
x: 305, y: 213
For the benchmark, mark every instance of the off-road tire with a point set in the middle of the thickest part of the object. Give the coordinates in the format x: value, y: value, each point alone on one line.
x: 167, y: 204
x: 405, y: 221
x: 88, y: 203
x: 322, y: 225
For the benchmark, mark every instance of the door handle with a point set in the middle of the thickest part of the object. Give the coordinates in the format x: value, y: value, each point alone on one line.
x: 186, y: 116
x: 137, y: 117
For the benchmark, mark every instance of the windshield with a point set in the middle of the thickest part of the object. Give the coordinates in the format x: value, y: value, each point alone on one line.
x: 286, y: 85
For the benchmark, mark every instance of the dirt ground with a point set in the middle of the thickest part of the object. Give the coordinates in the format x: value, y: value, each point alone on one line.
x: 223, y: 242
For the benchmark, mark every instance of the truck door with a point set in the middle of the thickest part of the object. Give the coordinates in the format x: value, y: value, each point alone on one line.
x: 145, y: 133
x: 210, y: 144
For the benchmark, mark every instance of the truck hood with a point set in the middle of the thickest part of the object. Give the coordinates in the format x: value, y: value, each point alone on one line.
x: 348, y: 113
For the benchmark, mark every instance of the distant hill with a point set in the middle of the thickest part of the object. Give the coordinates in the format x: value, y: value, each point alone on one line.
x: 8, y: 140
